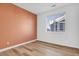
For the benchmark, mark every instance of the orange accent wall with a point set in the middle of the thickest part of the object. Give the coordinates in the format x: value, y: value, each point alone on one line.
x: 16, y: 25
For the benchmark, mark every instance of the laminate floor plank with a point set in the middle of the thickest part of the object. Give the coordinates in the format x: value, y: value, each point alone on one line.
x: 39, y: 48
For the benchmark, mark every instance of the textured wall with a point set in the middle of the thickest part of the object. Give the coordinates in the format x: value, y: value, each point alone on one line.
x: 16, y: 25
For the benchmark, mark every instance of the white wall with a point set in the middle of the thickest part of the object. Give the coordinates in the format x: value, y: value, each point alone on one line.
x: 67, y: 38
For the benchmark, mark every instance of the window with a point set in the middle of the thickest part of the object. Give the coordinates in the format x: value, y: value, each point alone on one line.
x: 56, y: 22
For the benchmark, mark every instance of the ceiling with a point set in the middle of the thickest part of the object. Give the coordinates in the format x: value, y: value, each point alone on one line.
x: 37, y: 8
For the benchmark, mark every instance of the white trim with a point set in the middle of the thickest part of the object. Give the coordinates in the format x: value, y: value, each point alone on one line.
x: 65, y: 45
x: 4, y: 49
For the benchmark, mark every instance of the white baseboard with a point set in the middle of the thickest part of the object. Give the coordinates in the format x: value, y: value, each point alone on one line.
x: 65, y: 45
x: 4, y: 49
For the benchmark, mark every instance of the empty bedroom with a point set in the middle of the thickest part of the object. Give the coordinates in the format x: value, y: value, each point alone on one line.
x: 39, y: 29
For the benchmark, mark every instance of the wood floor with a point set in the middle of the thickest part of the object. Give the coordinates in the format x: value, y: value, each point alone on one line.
x: 39, y: 48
